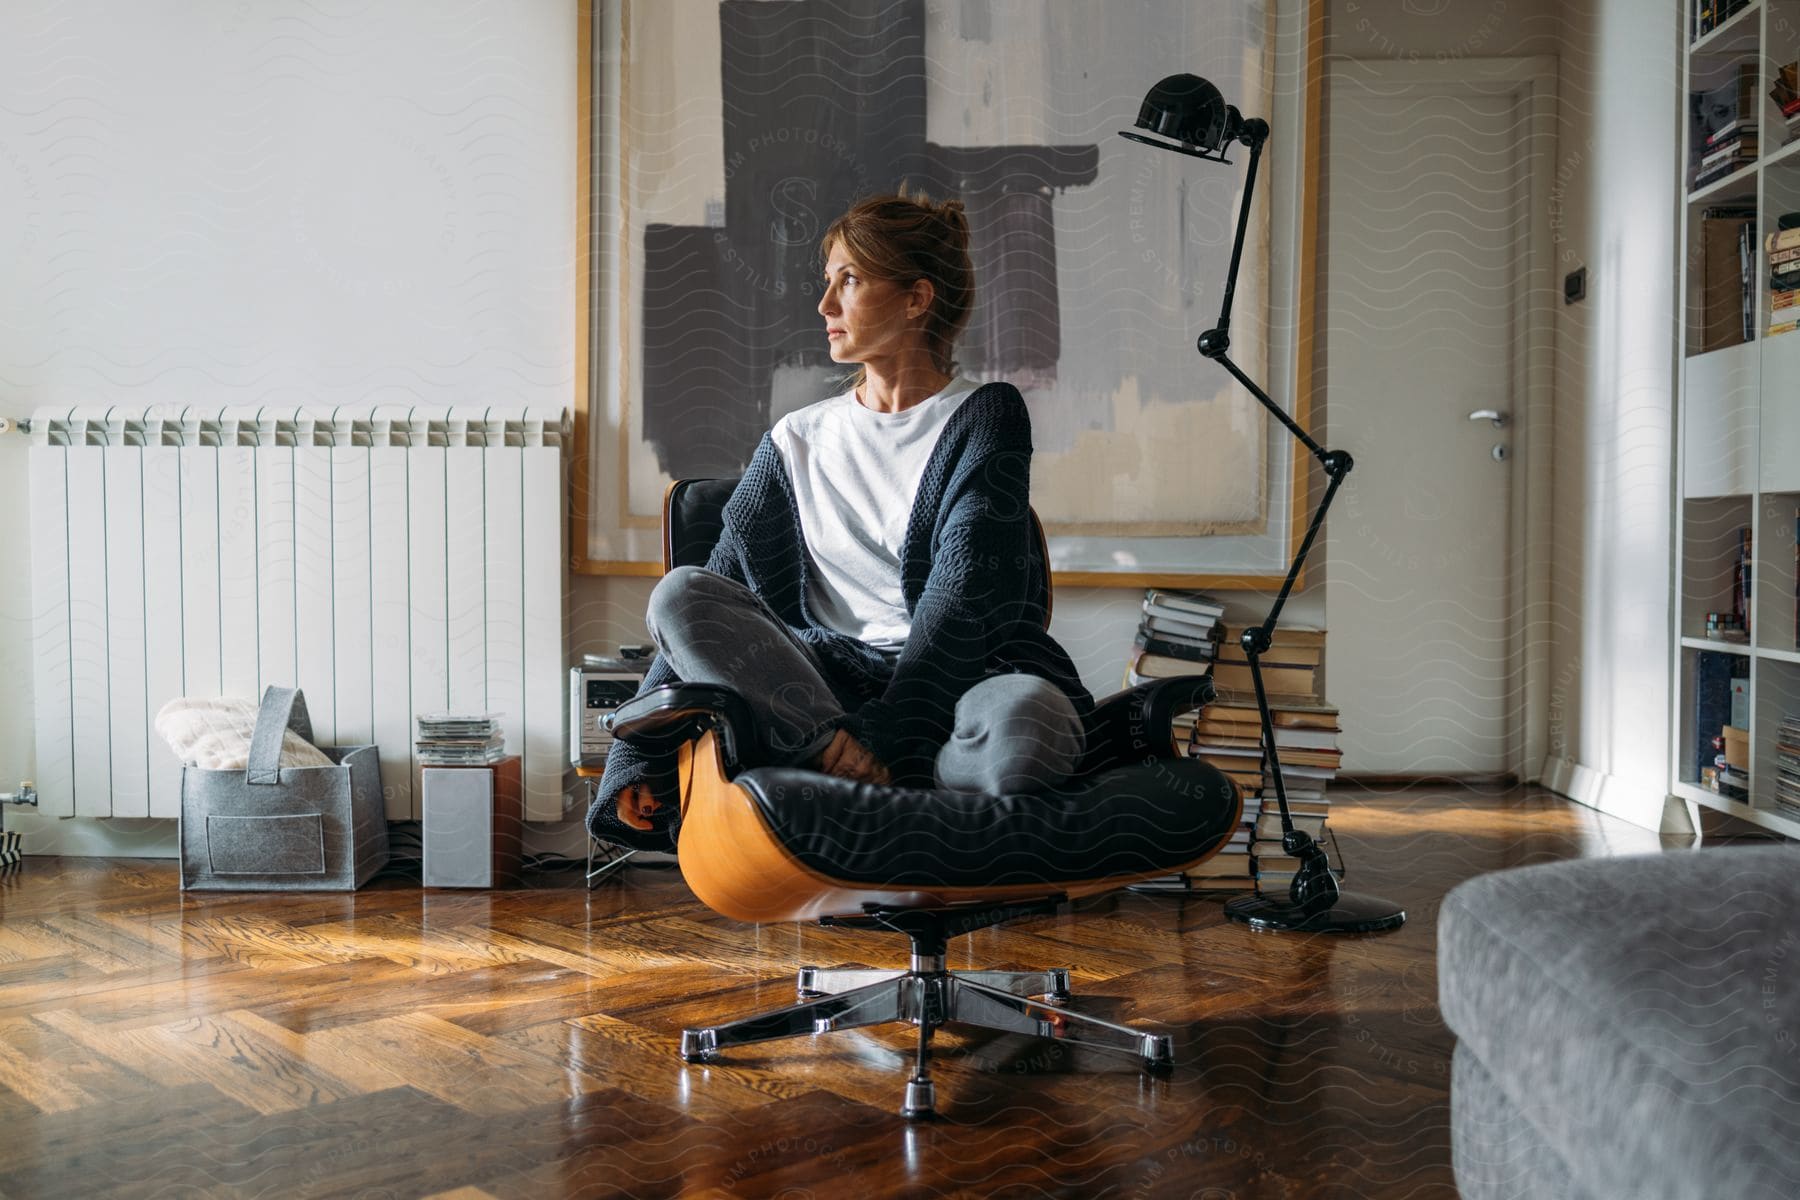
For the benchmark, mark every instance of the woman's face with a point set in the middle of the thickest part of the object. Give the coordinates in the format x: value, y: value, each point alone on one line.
x: 865, y: 318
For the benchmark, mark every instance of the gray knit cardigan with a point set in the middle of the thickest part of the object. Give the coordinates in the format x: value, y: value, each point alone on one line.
x: 972, y: 576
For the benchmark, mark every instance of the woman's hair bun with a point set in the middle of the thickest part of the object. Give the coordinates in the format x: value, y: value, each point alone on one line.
x: 908, y: 236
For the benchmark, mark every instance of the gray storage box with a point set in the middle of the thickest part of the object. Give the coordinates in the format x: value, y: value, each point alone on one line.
x: 270, y: 828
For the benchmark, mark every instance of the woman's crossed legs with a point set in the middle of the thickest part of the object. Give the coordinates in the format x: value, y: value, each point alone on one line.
x: 1012, y: 733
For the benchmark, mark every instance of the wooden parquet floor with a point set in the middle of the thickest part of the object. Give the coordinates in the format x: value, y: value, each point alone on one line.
x: 405, y: 1043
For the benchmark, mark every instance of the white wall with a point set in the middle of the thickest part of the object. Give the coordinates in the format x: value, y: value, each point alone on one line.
x: 275, y: 204
x: 1613, y: 209
x: 1617, y: 198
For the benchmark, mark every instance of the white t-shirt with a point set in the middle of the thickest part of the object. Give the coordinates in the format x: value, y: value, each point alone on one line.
x: 855, y: 473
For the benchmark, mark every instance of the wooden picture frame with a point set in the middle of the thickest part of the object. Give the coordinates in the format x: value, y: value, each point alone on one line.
x: 610, y: 535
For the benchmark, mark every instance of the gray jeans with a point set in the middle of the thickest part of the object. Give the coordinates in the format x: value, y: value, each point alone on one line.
x: 1013, y: 733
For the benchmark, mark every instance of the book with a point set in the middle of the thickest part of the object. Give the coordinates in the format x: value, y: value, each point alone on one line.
x: 1268, y: 825
x: 1276, y: 656
x: 1720, y: 321
x: 1747, y: 265
x: 1286, y: 738
x: 1285, y: 681
x: 1717, y: 171
x: 1186, y: 616
x: 1178, y: 626
x: 1309, y: 758
x: 1162, y: 666
x: 1785, y: 239
x: 1297, y: 771
x: 1295, y: 636
x: 1305, y: 712
x: 1174, y: 647
x: 1741, y: 572
x: 1724, y: 132
x: 1182, y: 601
x: 1738, y: 148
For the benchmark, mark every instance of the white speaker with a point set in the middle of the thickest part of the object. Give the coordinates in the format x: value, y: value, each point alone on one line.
x: 472, y: 825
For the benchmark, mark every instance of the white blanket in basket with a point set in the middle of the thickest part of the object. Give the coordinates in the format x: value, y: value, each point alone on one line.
x: 216, y: 733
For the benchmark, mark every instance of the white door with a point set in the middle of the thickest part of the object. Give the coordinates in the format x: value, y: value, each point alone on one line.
x: 1429, y: 236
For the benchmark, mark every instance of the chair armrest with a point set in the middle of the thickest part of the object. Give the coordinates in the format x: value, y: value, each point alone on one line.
x: 1138, y: 724
x: 660, y: 720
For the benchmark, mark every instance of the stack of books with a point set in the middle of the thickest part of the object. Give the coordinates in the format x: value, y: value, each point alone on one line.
x: 1787, y: 767
x: 1229, y: 736
x: 460, y: 739
x: 1290, y: 665
x: 1722, y: 126
x: 1708, y: 15
x: 1306, y: 734
x: 1786, y: 94
x: 1225, y: 735
x: 1226, y: 871
x: 1725, y: 779
x: 1784, y: 278
x: 1178, y: 634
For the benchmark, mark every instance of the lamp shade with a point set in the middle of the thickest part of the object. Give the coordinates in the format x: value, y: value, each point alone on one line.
x: 1189, y: 110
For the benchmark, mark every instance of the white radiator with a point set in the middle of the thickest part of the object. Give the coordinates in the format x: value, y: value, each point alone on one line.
x: 386, y: 564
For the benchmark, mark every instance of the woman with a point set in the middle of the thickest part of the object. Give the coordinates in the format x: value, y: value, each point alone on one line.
x: 874, y: 596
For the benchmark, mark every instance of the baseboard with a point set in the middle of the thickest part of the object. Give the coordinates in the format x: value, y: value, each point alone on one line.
x: 159, y: 837
x: 1492, y: 781
x: 96, y: 837
x: 1646, y: 807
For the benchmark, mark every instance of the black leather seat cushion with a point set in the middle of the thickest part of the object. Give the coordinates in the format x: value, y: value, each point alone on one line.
x: 1125, y: 821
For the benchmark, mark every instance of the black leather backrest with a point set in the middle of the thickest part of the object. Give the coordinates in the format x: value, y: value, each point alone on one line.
x: 694, y: 516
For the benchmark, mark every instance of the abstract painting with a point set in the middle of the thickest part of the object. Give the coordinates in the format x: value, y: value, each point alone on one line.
x: 729, y: 134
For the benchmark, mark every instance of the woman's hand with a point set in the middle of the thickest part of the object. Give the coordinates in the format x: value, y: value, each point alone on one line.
x: 847, y: 758
x: 635, y: 805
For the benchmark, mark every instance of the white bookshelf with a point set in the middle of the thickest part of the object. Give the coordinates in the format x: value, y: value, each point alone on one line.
x: 1737, y: 435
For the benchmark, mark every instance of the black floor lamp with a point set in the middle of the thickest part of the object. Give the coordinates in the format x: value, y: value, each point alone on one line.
x: 1187, y: 114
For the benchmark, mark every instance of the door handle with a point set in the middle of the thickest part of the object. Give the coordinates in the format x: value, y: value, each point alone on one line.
x: 1489, y: 414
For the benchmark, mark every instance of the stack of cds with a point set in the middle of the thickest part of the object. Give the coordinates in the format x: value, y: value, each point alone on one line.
x: 460, y: 739
x: 1787, y: 766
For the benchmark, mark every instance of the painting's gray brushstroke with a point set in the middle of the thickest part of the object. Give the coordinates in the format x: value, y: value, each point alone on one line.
x: 1015, y: 331
x: 977, y: 21
x: 1145, y: 280
x: 824, y: 101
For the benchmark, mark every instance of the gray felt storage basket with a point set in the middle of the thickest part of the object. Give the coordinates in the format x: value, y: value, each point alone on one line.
x: 270, y: 828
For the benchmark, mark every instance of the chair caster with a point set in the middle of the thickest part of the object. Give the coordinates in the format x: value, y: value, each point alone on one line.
x: 921, y: 1100
x: 699, y: 1046
x: 806, y: 985
x: 1158, y: 1056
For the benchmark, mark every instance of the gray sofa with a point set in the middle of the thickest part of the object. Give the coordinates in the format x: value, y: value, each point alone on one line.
x: 1627, y: 1027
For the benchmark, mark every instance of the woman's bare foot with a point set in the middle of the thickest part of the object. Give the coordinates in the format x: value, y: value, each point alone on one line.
x: 847, y: 758
x: 635, y: 806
